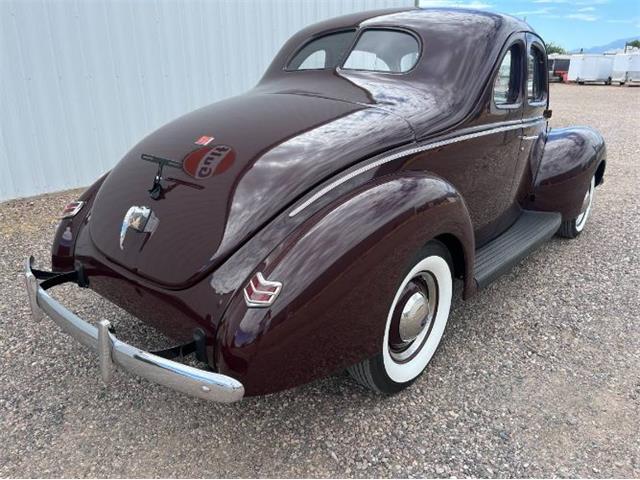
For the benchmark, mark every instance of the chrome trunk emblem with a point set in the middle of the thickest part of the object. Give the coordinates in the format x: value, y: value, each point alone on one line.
x: 141, y: 219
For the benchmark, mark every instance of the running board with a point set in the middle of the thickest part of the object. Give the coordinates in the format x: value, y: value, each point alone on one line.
x: 529, y: 232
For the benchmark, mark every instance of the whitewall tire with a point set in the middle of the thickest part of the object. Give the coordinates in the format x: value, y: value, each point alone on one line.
x: 415, y: 323
x: 572, y: 228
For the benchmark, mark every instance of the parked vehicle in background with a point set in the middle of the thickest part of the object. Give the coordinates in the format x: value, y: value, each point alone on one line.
x: 559, y: 67
x: 591, y: 68
x: 626, y: 68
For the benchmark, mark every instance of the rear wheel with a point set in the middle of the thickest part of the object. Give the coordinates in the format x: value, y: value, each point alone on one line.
x: 415, y: 323
x: 572, y: 228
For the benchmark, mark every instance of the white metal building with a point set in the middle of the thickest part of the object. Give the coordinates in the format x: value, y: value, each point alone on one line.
x: 81, y: 82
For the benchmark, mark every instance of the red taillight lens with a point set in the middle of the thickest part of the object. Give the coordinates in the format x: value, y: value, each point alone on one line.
x: 261, y: 292
x: 71, y: 209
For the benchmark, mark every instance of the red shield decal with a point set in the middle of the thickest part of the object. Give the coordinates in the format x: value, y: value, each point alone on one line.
x: 205, y: 162
x: 204, y: 140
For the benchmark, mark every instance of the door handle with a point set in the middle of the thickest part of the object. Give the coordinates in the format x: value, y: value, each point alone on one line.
x: 529, y: 137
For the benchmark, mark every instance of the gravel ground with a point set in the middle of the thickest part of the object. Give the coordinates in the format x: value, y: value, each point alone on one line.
x: 539, y: 375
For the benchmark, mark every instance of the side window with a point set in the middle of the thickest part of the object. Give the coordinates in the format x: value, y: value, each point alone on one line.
x: 536, y: 75
x: 505, y: 86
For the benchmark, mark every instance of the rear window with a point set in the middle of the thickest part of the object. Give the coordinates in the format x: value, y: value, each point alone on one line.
x: 322, y: 53
x: 384, y: 51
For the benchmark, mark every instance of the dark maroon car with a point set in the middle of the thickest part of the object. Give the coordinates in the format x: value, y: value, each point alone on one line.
x: 317, y: 222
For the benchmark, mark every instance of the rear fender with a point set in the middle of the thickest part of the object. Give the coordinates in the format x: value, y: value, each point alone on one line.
x: 340, y: 271
x: 570, y: 158
x: 63, y: 248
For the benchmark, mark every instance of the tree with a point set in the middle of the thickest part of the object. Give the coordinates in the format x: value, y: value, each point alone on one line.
x: 634, y: 43
x: 555, y: 48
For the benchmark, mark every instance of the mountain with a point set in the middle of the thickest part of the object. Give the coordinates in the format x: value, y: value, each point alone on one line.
x: 615, y: 45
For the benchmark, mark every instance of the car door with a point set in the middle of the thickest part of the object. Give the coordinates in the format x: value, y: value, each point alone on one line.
x: 535, y: 104
x: 507, y: 106
x: 481, y: 166
x: 485, y: 180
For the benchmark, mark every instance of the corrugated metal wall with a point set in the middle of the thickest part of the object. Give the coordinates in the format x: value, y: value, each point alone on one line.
x: 82, y: 81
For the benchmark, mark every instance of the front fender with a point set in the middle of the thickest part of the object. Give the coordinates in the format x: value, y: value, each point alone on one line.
x: 570, y: 158
x: 340, y: 271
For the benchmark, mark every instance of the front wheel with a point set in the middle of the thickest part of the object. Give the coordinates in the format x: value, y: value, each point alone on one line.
x: 572, y: 228
x: 415, y: 324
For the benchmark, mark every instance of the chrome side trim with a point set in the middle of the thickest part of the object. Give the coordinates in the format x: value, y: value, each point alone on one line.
x: 472, y: 132
x: 113, y: 353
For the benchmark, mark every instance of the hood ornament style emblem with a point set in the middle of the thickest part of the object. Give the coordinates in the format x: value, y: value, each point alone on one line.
x: 141, y: 219
x: 201, y: 163
x: 157, y: 190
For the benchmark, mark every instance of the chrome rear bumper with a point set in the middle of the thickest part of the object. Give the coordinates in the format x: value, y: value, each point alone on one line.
x: 113, y: 353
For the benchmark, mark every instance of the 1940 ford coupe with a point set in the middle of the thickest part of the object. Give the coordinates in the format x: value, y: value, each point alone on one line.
x: 317, y: 222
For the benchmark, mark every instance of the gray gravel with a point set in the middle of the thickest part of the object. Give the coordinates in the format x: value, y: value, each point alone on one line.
x: 539, y: 375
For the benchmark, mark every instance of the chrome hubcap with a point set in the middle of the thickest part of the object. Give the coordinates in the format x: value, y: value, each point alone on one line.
x: 414, y: 316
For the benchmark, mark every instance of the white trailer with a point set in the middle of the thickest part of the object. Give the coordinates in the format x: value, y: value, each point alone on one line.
x: 626, y: 68
x: 591, y: 68
x: 574, y: 67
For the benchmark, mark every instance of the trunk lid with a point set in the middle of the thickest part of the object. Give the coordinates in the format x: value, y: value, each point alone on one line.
x: 267, y: 150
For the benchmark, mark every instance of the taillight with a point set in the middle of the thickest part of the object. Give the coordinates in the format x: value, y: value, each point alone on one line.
x: 71, y: 209
x: 261, y: 292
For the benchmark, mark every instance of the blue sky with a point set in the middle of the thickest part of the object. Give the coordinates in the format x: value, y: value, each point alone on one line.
x: 573, y: 24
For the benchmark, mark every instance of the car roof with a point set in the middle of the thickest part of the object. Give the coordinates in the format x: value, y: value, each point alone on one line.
x: 418, y: 19
x: 428, y: 23
x: 460, y: 50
